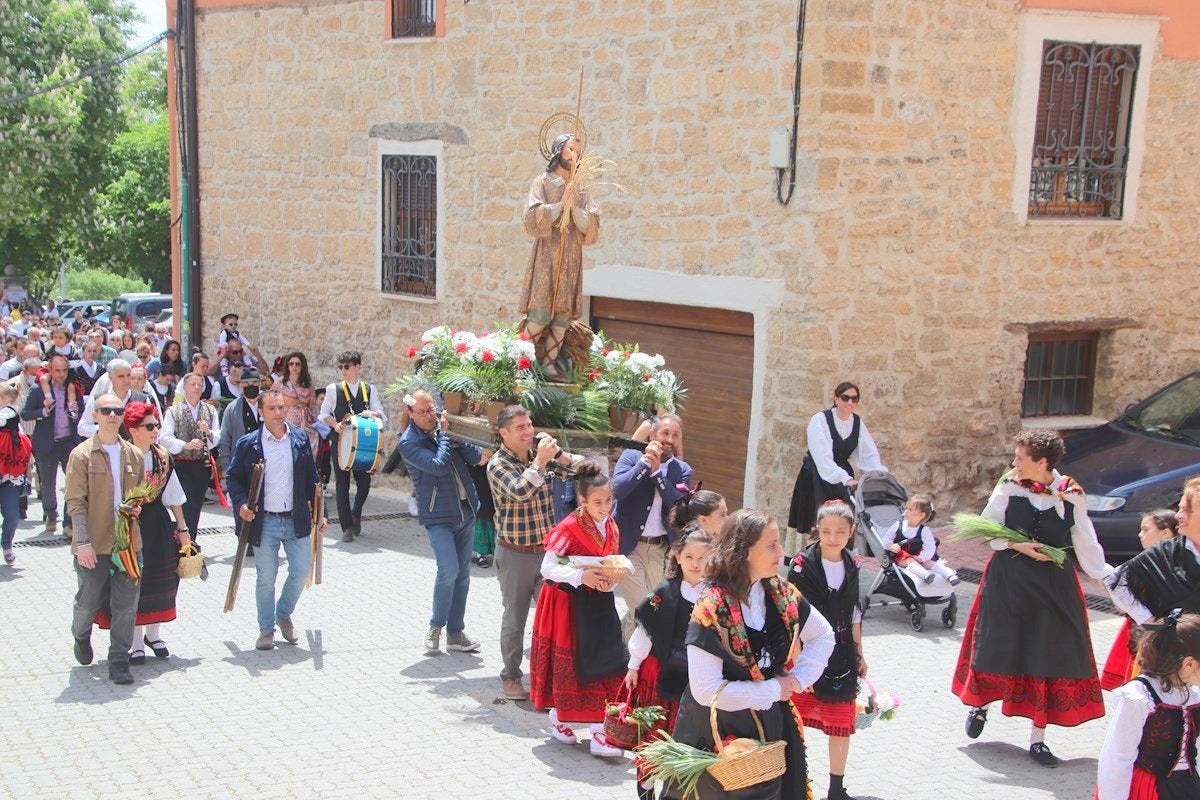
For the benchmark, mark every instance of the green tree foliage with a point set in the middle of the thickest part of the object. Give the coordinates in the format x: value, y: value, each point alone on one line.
x: 129, y: 232
x: 54, y: 147
x: 99, y: 284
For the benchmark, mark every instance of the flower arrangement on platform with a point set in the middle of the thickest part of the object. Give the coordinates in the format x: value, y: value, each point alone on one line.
x: 633, y: 379
x: 486, y: 368
x: 973, y: 526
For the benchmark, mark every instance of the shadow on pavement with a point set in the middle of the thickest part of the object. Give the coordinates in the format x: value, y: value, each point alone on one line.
x: 11, y: 573
x: 256, y: 662
x: 562, y: 761
x: 1012, y: 766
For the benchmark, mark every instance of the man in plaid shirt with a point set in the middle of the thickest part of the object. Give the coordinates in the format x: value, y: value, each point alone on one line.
x: 519, y: 479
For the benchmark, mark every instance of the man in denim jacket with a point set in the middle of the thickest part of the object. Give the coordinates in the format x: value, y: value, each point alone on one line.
x: 446, y: 505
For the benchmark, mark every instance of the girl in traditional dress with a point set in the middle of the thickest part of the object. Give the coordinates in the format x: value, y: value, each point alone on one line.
x: 299, y: 398
x: 577, y: 656
x: 826, y: 573
x: 1167, y: 575
x: 741, y: 638
x: 161, y: 538
x: 835, y: 436
x: 913, y: 543
x: 706, y: 509
x: 1119, y: 666
x: 1027, y: 641
x: 1150, y: 750
x: 657, y: 650
x: 15, y: 451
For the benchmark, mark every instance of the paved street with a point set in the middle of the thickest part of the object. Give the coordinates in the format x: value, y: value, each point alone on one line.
x: 357, y: 709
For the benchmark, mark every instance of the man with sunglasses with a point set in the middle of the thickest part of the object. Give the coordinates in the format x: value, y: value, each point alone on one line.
x: 342, y: 399
x: 835, y: 435
x: 234, y: 351
x: 101, y: 471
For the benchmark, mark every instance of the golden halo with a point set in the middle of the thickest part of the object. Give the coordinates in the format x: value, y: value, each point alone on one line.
x: 556, y: 125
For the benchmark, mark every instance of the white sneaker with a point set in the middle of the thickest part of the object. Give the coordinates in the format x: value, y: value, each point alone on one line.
x: 601, y: 747
x: 559, y: 731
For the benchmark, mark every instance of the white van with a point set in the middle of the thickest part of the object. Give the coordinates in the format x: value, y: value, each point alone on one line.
x: 139, y: 308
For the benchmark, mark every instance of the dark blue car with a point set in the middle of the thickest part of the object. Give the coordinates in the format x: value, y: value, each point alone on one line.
x: 1138, y: 462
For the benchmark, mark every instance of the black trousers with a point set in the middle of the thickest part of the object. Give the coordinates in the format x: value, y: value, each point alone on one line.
x: 195, y: 477
x: 362, y: 487
x: 48, y: 464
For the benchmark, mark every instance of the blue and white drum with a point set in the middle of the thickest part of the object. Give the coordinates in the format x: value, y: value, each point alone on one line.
x: 360, y: 445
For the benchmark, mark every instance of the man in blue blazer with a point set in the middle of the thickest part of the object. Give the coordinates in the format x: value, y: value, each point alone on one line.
x: 54, y: 437
x: 646, y: 487
x: 446, y: 506
x: 283, y: 513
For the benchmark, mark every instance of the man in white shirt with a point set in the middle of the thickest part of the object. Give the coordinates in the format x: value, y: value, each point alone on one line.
x: 350, y: 397
x: 280, y: 515
x: 120, y: 379
x: 190, y: 429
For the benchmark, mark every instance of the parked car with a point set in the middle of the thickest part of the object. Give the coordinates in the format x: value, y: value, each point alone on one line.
x: 138, y: 308
x: 91, y: 308
x: 1138, y: 462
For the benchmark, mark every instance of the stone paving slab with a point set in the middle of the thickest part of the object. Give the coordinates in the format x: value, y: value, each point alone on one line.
x: 357, y: 710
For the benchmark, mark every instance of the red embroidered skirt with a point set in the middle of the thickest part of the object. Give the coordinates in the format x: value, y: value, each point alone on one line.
x: 832, y: 719
x: 1118, y: 667
x: 552, y: 677
x: 1044, y: 700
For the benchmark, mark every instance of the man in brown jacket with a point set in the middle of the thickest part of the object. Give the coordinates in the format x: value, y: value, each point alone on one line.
x: 100, y: 472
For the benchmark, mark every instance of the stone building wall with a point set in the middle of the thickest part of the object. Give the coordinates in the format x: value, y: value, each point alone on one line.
x: 904, y: 265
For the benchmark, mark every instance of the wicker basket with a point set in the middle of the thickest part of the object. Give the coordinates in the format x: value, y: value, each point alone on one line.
x: 764, y: 763
x: 616, y: 574
x: 191, y: 562
x: 626, y: 735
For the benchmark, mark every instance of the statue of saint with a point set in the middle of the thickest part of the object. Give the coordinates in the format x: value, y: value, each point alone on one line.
x: 560, y: 216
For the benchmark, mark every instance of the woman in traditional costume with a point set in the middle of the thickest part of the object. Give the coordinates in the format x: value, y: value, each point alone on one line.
x: 15, y: 452
x: 747, y: 627
x: 161, y: 538
x: 577, y: 656
x: 1167, y: 575
x: 835, y: 436
x: 1027, y: 641
x: 1119, y: 666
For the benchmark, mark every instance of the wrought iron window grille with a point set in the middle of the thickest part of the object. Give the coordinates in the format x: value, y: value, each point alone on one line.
x: 409, y: 229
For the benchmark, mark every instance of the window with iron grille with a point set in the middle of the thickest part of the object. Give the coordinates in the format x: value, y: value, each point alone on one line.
x: 409, y: 225
x: 1060, y: 374
x: 1081, y: 144
x: 412, y: 18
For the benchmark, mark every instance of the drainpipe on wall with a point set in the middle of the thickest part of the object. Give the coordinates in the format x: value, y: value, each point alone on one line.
x: 192, y: 176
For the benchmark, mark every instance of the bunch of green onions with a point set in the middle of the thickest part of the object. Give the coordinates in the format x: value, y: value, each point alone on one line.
x: 677, y: 763
x: 973, y: 526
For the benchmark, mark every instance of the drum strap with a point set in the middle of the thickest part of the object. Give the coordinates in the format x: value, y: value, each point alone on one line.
x: 362, y: 391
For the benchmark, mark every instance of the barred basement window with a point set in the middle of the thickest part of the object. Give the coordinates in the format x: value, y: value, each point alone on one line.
x: 1060, y: 374
x: 1081, y: 144
x: 409, y: 229
x: 411, y: 18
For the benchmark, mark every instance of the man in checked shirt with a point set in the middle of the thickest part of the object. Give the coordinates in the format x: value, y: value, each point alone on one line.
x: 518, y: 475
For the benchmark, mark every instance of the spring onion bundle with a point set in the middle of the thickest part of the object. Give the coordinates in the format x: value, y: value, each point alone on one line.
x: 677, y: 763
x: 973, y: 526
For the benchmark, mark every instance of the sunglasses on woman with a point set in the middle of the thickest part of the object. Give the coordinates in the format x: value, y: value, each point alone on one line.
x: 152, y: 426
x: 849, y: 398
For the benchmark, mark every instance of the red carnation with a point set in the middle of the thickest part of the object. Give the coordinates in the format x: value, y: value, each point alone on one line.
x: 412, y: 352
x: 461, y: 347
x: 604, y: 351
x: 488, y: 355
x: 628, y: 353
x: 646, y: 379
x: 524, y: 337
x: 524, y: 363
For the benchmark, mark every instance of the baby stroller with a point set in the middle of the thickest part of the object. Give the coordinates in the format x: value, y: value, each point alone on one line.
x: 879, y: 503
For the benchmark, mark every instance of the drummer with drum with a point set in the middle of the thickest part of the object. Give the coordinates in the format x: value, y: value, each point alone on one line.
x: 354, y: 412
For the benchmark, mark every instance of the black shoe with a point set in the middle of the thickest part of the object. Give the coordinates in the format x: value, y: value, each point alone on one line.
x: 486, y: 561
x: 137, y: 657
x: 976, y: 719
x: 839, y: 794
x: 83, y: 651
x: 348, y: 535
x: 1042, y: 755
x: 118, y: 673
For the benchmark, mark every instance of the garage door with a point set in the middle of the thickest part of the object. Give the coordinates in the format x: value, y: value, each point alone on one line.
x: 712, y: 351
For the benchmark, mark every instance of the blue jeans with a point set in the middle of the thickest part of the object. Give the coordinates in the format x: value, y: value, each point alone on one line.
x: 276, y: 531
x: 452, y: 550
x: 10, y: 510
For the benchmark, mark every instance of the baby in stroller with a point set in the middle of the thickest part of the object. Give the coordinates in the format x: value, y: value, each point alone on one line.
x: 913, y: 545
